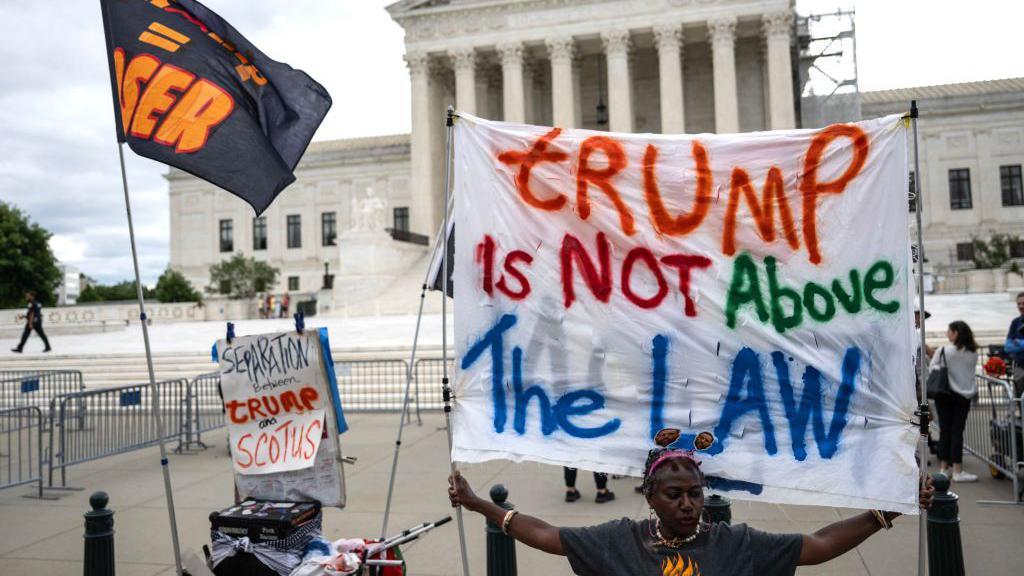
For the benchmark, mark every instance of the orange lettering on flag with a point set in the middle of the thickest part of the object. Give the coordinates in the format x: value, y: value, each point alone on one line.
x: 159, y: 96
x: 188, y: 125
x: 773, y: 194
x: 129, y: 82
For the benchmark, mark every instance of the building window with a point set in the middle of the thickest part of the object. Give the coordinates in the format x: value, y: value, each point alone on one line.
x: 328, y: 228
x: 1016, y: 248
x: 1009, y: 179
x: 293, y: 283
x: 227, y: 236
x: 294, y: 231
x: 965, y: 251
x: 401, y: 215
x: 960, y: 189
x: 224, y: 287
x: 912, y: 194
x: 259, y: 233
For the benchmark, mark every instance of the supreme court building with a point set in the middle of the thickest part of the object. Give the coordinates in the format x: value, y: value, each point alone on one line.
x: 663, y: 66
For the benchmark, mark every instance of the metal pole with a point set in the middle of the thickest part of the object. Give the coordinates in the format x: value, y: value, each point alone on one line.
x: 149, y: 365
x: 446, y: 389
x: 405, y: 401
x: 922, y: 537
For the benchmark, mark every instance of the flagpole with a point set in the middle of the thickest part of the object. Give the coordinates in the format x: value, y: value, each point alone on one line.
x: 922, y: 537
x: 446, y: 389
x: 408, y: 383
x: 149, y: 364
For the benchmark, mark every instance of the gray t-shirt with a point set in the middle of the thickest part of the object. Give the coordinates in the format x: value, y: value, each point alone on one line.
x: 626, y: 547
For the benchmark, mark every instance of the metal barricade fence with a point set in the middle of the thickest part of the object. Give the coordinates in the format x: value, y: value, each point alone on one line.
x: 429, y: 374
x: 204, y: 410
x: 21, y: 447
x: 19, y: 388
x: 96, y: 423
x: 993, y: 430
x: 371, y: 385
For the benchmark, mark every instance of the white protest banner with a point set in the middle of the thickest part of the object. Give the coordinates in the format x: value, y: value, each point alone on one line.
x: 754, y: 286
x: 283, y: 415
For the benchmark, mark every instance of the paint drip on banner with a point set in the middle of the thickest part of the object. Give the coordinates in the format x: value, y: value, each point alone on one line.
x: 754, y: 286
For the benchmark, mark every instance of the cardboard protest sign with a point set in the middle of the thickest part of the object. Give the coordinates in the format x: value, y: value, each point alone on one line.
x: 753, y: 286
x: 283, y: 415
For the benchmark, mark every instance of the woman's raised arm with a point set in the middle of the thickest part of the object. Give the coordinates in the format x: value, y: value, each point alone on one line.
x: 529, y: 530
x: 839, y: 538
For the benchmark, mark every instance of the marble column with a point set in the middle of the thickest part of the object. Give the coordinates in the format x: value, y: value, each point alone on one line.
x: 464, y: 63
x: 781, y: 112
x: 722, y: 32
x: 513, y: 97
x: 577, y: 91
x: 421, y: 151
x: 669, y: 41
x: 563, y: 91
x: 529, y: 86
x: 616, y: 46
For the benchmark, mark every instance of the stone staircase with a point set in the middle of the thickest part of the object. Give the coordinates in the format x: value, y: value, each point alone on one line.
x: 108, y: 370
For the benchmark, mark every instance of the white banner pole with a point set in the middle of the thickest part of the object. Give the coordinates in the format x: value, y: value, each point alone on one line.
x: 446, y: 388
x: 922, y: 537
x: 408, y: 383
x: 149, y: 364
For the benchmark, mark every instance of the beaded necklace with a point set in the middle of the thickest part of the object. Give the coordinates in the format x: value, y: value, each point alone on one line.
x: 679, y: 541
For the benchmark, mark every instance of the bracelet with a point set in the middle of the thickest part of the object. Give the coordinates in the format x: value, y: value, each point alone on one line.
x: 508, y: 520
x: 880, y: 516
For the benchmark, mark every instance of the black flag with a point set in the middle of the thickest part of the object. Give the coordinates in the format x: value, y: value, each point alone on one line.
x: 436, y: 272
x: 191, y: 92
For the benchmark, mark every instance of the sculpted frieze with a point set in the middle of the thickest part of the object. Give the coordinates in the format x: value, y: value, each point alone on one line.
x: 538, y: 13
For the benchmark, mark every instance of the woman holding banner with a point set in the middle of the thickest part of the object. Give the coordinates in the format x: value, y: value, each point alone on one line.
x: 677, y: 540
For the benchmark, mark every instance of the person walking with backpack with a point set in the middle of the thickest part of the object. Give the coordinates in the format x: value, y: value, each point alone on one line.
x: 33, y: 321
x: 960, y: 359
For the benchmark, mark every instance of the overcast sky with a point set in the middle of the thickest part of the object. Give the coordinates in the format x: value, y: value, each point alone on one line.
x: 58, y: 156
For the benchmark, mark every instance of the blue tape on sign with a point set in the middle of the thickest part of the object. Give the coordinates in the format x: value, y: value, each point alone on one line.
x: 163, y: 461
x: 131, y: 398
x: 29, y: 385
x: 325, y: 350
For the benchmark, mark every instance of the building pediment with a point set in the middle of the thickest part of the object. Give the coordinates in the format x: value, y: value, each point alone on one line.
x: 436, y: 25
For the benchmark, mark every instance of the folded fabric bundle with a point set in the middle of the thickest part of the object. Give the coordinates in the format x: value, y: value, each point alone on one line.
x: 282, y: 556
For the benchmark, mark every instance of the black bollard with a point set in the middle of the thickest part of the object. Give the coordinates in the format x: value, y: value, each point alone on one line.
x: 719, y: 508
x: 99, y: 537
x: 501, y: 548
x: 945, y: 549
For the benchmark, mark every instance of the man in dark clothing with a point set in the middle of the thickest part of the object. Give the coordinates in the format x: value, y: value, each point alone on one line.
x: 33, y: 321
x: 1015, y: 347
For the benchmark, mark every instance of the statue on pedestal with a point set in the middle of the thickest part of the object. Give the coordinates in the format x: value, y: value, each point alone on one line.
x: 368, y: 214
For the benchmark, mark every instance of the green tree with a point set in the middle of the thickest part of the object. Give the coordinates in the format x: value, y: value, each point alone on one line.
x: 994, y: 253
x: 115, y: 292
x: 26, y: 261
x: 240, y: 277
x: 172, y: 286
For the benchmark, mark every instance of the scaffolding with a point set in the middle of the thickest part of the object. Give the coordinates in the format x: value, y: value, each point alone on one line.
x: 827, y: 56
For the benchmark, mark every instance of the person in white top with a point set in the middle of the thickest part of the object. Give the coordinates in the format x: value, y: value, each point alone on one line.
x: 961, y: 359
